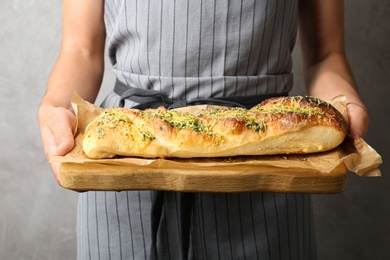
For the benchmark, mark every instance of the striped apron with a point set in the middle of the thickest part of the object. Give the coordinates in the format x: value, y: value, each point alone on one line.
x: 178, y: 53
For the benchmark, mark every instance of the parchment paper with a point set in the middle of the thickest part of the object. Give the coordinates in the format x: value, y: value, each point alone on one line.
x: 357, y: 155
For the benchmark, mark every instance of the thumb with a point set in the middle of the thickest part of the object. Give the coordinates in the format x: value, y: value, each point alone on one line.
x: 358, y: 120
x: 65, y: 143
x: 57, y: 136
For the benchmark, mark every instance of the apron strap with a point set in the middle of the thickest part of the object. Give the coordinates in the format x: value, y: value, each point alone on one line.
x: 149, y: 98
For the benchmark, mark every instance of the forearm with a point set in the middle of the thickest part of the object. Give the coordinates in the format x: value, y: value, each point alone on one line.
x: 80, y: 65
x: 325, y: 67
x: 331, y: 77
x: 74, y: 71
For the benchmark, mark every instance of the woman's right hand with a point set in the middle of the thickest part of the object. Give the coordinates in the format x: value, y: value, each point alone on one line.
x: 57, y: 125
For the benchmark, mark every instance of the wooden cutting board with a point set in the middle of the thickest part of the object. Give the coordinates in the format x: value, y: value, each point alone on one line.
x: 236, y: 178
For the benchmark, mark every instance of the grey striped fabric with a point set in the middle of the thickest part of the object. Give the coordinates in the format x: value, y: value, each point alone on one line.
x: 203, y: 48
x: 117, y: 225
x: 198, y: 49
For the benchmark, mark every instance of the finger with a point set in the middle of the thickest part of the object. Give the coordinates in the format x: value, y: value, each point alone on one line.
x: 55, y: 167
x: 358, y: 120
x: 50, y: 148
x: 59, y: 133
x: 49, y: 142
x: 64, y: 142
x: 357, y: 130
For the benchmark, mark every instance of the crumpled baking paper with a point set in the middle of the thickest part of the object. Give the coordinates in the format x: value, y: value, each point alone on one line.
x: 356, y: 155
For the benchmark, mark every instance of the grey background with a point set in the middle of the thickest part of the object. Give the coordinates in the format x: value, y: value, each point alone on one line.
x: 37, y: 217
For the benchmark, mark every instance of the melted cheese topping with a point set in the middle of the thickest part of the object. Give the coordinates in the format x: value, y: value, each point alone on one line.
x: 298, y: 104
x: 203, y: 121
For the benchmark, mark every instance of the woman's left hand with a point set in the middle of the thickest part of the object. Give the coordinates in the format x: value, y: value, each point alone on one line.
x: 358, y: 119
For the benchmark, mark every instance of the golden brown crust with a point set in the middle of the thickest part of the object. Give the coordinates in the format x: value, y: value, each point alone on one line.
x: 276, y: 126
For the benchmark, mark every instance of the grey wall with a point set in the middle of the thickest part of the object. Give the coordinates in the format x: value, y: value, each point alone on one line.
x: 37, y: 218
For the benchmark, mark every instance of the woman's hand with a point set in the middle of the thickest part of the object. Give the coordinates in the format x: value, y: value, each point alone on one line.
x: 57, y: 126
x: 358, y: 119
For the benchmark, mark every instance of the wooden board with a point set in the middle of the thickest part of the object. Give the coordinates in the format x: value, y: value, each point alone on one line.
x: 239, y: 178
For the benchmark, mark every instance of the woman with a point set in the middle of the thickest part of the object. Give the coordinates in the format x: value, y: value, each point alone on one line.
x: 187, y: 50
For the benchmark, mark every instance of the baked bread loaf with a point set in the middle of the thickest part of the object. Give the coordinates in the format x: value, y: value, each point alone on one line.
x: 282, y: 125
